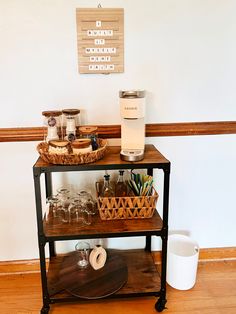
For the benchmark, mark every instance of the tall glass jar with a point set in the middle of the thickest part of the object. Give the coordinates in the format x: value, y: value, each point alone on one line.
x: 52, y: 120
x: 71, y: 120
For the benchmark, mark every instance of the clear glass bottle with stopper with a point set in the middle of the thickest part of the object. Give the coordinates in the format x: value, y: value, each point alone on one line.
x: 121, y: 187
x: 107, y: 190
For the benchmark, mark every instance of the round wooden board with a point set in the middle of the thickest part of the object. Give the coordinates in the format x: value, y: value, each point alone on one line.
x: 93, y: 284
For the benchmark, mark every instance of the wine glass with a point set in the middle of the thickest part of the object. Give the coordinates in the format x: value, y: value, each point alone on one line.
x: 82, y: 248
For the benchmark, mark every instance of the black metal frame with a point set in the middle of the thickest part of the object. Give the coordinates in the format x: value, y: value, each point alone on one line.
x: 42, y: 239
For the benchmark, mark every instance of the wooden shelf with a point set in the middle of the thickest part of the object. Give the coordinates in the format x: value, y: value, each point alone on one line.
x: 143, y: 278
x: 105, y: 228
x: 152, y: 159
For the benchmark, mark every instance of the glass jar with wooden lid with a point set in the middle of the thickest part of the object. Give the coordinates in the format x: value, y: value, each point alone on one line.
x: 71, y: 116
x: 59, y: 147
x: 81, y: 146
x: 52, y: 119
x: 91, y: 133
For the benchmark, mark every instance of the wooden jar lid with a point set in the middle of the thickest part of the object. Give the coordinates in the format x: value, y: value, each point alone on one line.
x: 81, y: 143
x: 88, y: 129
x: 58, y: 143
x: 71, y: 112
x: 52, y: 113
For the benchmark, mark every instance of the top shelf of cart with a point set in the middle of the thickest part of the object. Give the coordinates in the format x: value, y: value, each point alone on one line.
x: 152, y: 159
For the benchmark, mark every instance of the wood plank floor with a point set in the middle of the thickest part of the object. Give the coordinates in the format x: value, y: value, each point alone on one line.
x: 214, y: 293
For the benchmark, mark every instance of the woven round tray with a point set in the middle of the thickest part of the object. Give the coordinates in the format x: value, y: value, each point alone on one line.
x: 72, y: 159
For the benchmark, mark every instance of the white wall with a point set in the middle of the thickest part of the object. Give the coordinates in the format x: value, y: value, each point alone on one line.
x: 182, y: 52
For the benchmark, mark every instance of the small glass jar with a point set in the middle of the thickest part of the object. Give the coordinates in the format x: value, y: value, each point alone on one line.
x: 59, y: 147
x: 52, y: 119
x: 91, y: 133
x: 81, y: 146
x: 71, y: 117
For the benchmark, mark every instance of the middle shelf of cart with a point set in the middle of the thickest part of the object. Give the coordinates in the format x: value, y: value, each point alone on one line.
x: 105, y: 228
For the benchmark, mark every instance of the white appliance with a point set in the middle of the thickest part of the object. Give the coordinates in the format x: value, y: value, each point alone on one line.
x: 132, y: 111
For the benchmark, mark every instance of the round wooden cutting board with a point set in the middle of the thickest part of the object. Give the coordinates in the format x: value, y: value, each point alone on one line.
x: 93, y: 284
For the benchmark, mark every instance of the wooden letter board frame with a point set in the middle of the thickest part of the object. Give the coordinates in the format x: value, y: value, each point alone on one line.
x: 100, y: 39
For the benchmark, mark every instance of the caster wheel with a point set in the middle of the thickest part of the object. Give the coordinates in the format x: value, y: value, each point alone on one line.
x: 160, y: 305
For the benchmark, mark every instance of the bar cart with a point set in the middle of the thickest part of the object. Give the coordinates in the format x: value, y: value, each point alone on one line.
x: 143, y: 278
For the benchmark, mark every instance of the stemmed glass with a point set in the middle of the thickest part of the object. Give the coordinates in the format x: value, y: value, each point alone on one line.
x: 82, y: 249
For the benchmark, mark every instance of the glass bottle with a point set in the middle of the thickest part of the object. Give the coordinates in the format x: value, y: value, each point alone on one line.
x: 94, y: 142
x: 107, y: 190
x: 121, y: 187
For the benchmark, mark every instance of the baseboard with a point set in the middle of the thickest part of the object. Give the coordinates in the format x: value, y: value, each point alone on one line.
x: 20, y: 267
x: 33, y: 266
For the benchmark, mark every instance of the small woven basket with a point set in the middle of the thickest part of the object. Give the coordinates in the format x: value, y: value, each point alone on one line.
x: 72, y: 159
x: 126, y: 207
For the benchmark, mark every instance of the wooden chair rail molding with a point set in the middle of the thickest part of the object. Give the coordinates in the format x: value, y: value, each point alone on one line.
x: 23, y: 134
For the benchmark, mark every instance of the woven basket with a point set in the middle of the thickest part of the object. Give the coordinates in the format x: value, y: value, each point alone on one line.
x: 128, y: 207
x: 72, y: 159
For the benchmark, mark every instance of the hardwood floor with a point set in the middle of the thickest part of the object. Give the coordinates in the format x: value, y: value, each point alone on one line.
x: 214, y: 293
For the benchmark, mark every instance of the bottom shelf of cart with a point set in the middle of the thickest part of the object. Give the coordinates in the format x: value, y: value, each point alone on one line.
x: 143, y: 277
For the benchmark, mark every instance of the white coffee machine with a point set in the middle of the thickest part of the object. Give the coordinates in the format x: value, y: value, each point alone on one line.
x: 132, y: 110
